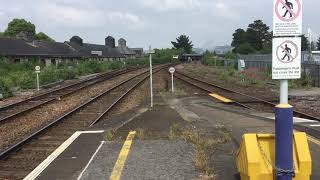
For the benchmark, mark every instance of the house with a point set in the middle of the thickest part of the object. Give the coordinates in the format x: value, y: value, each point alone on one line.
x: 22, y: 49
x: 222, y: 50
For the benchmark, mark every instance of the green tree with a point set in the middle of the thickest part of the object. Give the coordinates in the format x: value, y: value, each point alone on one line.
x: 183, y: 42
x: 253, y: 39
x: 19, y: 25
x: 43, y: 36
x: 230, y: 55
x: 258, y: 34
x: 304, y: 43
x: 245, y: 48
x: 239, y: 37
x: 313, y: 46
x: 1, y: 34
x: 318, y: 44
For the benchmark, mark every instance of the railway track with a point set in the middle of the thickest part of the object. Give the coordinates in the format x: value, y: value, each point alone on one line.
x: 240, y: 99
x: 20, y: 159
x: 20, y: 108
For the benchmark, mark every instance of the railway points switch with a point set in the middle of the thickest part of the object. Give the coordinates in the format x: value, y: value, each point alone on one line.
x: 256, y: 157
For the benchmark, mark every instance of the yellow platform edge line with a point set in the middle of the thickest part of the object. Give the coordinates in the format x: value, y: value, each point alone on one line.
x: 311, y: 139
x: 221, y: 98
x: 118, y: 167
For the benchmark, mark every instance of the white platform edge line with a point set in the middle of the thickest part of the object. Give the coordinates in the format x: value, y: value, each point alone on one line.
x: 315, y: 125
x: 91, y: 159
x: 297, y: 120
x: 42, y: 166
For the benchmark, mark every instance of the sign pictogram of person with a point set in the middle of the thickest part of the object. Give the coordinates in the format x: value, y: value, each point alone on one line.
x: 289, y: 5
x: 287, y: 52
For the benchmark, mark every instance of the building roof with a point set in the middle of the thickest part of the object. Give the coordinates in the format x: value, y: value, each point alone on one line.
x: 86, y: 50
x: 19, y: 47
x: 11, y: 46
x: 125, y: 50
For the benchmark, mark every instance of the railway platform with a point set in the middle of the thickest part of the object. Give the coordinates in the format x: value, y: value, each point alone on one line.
x: 143, y: 147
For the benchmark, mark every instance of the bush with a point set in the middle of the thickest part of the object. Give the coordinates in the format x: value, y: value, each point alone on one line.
x: 245, y: 48
x: 5, y: 87
x: 22, y: 75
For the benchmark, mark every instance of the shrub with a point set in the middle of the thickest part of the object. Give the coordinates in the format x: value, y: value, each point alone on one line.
x: 5, y: 87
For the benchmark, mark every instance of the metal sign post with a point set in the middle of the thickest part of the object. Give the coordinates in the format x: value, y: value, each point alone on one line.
x: 151, y: 83
x: 37, y: 68
x: 286, y: 64
x: 172, y: 70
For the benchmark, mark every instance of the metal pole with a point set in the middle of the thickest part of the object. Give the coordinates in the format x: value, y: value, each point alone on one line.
x: 284, y: 135
x: 151, y: 88
x: 38, y: 83
x: 284, y: 92
x: 172, y: 82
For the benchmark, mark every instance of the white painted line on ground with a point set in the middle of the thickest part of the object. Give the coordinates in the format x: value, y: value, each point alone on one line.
x: 91, y: 159
x: 315, y: 125
x: 298, y: 120
x: 41, y: 167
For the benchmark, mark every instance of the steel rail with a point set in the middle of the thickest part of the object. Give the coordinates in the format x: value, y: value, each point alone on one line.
x: 296, y: 113
x: 50, y: 99
x: 18, y: 145
x: 209, y: 91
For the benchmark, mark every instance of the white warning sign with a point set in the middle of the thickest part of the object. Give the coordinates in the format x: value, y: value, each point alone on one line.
x: 287, y: 18
x: 286, y: 60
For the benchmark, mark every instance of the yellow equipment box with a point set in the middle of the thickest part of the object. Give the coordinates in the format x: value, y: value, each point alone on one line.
x: 257, y: 152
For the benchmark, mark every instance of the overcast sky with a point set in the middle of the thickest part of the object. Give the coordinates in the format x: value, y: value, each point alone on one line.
x: 142, y: 22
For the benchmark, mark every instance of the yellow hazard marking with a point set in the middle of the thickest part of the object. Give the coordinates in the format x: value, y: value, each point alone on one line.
x: 311, y: 139
x: 118, y: 167
x: 221, y: 98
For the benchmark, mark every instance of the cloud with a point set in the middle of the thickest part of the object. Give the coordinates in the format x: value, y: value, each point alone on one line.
x: 225, y: 11
x: 125, y: 18
x: 167, y: 5
x: 66, y: 15
x: 142, y: 22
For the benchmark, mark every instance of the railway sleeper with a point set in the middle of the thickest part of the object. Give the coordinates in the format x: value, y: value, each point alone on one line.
x: 12, y: 174
x: 53, y: 138
x: 36, y: 148
x: 46, y: 143
x: 14, y: 165
x: 26, y: 157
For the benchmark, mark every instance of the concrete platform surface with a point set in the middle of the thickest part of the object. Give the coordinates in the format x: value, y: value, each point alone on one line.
x: 163, y: 158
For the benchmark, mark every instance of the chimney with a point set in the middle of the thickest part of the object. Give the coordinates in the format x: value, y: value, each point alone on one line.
x: 110, y: 42
x: 77, y: 40
x: 122, y: 42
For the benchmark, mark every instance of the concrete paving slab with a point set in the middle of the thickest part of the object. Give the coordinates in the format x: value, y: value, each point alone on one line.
x: 102, y: 165
x: 160, y: 159
x: 71, y: 162
x: 165, y: 159
x: 241, y: 124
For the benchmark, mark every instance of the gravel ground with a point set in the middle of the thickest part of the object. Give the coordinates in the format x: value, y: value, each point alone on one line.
x: 308, y: 104
x: 141, y: 95
x: 304, y: 101
x: 205, y: 72
x: 25, y: 94
x: 20, y: 127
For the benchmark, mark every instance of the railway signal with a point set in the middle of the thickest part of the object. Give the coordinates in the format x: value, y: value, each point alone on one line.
x: 38, y: 68
x: 172, y: 70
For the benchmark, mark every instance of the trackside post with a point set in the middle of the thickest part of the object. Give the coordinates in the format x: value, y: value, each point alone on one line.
x: 172, y: 70
x: 37, y: 68
x: 151, y: 83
